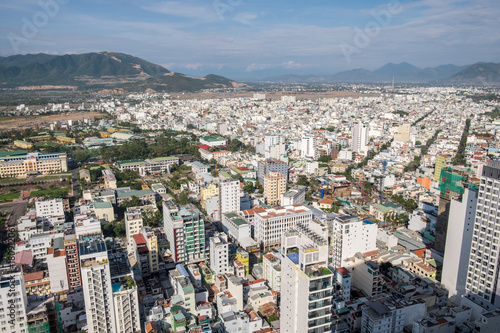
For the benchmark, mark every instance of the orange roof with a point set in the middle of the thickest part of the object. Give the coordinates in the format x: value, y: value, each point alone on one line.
x: 150, y: 327
x: 326, y: 201
x: 33, y: 276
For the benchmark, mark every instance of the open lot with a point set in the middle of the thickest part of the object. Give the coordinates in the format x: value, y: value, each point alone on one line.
x: 32, y: 121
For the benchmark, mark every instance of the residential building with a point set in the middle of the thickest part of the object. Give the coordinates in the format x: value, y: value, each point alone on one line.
x: 125, y: 295
x: 53, y: 207
x: 45, y: 318
x: 56, y: 264
x: 403, y: 133
x: 268, y: 165
x: 72, y: 261
x: 458, y: 242
x: 219, y: 254
x: 133, y: 225
x: 271, y: 265
x: 294, y: 196
x: 352, y: 235
x: 185, y: 230
x: 366, y: 276
x: 13, y: 296
x: 229, y: 196
x: 270, y: 224
x: 359, y: 141
x: 96, y: 282
x: 19, y: 163
x: 152, y: 244
x: 274, y: 188
x: 150, y: 166
x: 308, y: 148
x: 109, y: 178
x: 482, y: 273
x: 387, y: 315
x: 306, y: 282
x: 198, y: 168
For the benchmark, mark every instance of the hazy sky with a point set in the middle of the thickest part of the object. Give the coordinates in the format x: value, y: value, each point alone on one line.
x: 252, y: 38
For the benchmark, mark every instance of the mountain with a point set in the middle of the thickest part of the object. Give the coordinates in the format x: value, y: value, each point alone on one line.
x: 402, y: 72
x: 478, y: 73
x: 96, y: 70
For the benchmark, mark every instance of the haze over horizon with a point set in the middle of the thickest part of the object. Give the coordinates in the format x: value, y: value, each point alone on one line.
x: 252, y: 39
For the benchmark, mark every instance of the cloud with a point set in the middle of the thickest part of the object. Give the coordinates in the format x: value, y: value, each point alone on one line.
x: 186, y: 9
x: 245, y: 18
x: 291, y: 64
x: 257, y: 67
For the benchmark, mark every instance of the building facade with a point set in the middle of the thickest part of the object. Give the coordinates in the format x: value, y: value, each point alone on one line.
x: 15, y: 165
x: 274, y: 188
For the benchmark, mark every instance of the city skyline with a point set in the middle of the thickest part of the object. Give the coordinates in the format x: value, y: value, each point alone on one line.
x: 248, y: 40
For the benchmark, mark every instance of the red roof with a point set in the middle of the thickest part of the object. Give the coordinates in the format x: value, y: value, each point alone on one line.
x: 243, y: 168
x: 204, y: 147
x: 343, y: 271
x: 253, y: 282
x: 24, y: 258
x: 139, y: 239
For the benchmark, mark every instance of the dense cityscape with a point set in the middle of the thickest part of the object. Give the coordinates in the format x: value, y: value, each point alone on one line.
x: 373, y: 211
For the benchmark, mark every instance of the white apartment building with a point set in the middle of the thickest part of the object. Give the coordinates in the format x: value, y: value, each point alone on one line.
x: 272, y: 271
x: 13, y: 300
x: 125, y: 295
x: 96, y: 283
x: 359, y: 140
x: 482, y: 273
x: 133, y: 225
x: 271, y: 223
x: 47, y: 208
x: 219, y: 254
x: 229, y: 196
x: 308, y: 148
x: 352, y: 235
x: 294, y: 196
x: 22, y: 163
x: 306, y: 282
x: 458, y: 242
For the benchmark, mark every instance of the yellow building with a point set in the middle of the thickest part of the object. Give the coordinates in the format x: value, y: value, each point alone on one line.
x: 22, y: 144
x: 19, y: 163
x: 243, y: 257
x: 418, y: 267
x: 65, y: 139
x: 208, y: 192
x: 274, y: 187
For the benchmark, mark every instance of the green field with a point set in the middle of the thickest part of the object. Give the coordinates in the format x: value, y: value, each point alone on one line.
x: 9, y: 197
x: 54, y: 193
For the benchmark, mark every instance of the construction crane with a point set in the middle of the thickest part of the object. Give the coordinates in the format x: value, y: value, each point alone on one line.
x: 381, y: 182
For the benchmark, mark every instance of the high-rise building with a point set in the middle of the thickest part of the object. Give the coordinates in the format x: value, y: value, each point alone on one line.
x: 451, y: 185
x: 352, y: 235
x: 458, y: 242
x: 219, y: 254
x: 359, y: 143
x: 45, y: 318
x: 306, y: 282
x: 266, y: 166
x: 308, y: 148
x: 133, y: 225
x: 482, y: 273
x: 184, y: 227
x: 271, y: 223
x: 229, y: 196
x: 14, y: 299
x: 96, y: 281
x: 125, y: 295
x: 274, y: 188
x: 72, y: 261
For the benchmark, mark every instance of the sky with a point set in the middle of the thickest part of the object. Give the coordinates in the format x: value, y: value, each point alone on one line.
x: 252, y: 39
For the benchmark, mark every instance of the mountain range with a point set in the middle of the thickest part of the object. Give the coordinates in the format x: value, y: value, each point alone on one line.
x: 404, y: 72
x: 96, y: 71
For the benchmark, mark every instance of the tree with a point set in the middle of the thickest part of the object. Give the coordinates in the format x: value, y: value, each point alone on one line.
x: 302, y: 180
x: 152, y: 218
x: 183, y: 198
x: 80, y: 155
x: 325, y: 158
x: 249, y: 187
x: 418, y: 143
